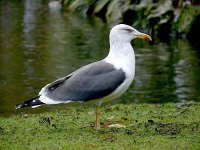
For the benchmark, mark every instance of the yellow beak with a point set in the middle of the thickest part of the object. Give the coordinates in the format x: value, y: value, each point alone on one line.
x: 144, y: 36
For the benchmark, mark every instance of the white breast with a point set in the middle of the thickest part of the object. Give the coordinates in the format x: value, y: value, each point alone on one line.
x: 122, y: 56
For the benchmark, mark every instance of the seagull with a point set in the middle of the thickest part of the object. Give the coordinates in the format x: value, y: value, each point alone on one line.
x: 102, y: 80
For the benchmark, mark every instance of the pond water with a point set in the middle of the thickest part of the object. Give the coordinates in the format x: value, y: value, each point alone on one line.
x: 39, y: 44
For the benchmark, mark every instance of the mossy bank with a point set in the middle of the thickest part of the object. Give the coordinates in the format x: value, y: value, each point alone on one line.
x: 163, y: 19
x: 136, y: 126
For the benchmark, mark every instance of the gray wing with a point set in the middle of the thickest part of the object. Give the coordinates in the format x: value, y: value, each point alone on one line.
x: 93, y: 81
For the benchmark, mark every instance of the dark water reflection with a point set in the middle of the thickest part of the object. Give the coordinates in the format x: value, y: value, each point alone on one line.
x: 39, y: 45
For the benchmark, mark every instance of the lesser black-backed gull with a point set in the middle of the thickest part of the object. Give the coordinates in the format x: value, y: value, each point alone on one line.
x: 102, y: 80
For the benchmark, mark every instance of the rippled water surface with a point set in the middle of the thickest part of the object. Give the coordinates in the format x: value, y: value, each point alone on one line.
x: 39, y: 44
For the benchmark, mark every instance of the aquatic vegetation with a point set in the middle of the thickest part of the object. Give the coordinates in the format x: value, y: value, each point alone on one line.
x: 161, y: 18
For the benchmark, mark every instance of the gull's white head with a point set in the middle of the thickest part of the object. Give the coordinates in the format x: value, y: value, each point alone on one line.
x: 125, y: 33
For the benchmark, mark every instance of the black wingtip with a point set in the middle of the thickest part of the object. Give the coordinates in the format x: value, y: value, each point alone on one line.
x: 34, y: 102
x: 21, y: 105
x: 18, y: 106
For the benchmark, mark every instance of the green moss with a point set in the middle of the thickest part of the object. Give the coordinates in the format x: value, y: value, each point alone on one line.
x: 183, y: 19
x: 148, y: 126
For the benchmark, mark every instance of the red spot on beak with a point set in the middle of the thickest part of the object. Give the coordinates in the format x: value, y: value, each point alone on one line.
x: 144, y: 37
x: 147, y: 38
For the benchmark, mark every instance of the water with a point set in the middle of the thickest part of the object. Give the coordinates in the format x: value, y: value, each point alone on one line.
x: 38, y: 44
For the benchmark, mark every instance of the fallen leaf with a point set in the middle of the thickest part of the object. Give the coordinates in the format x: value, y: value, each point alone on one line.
x: 116, y: 126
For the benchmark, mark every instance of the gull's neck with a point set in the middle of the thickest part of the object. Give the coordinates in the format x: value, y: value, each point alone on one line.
x: 122, y: 56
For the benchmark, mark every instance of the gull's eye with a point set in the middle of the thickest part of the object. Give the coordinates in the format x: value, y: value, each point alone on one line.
x: 129, y: 30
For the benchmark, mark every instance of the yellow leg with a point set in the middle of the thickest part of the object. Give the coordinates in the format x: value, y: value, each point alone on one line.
x: 97, y: 125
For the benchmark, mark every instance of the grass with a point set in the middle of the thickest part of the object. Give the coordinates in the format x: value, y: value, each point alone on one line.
x: 147, y: 126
